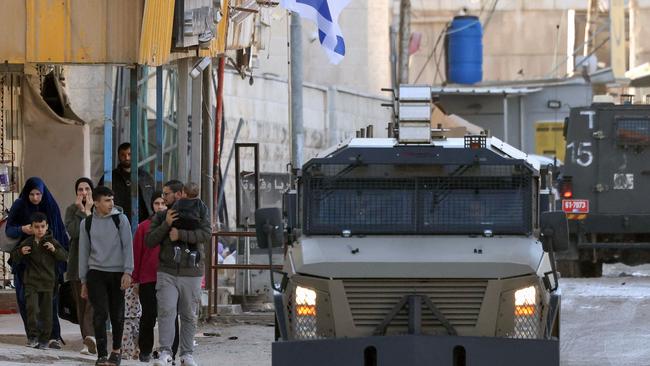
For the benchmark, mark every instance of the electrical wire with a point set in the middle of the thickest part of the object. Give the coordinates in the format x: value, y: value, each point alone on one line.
x: 600, y: 29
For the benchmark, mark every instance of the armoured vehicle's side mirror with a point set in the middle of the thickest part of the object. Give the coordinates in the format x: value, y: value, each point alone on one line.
x: 268, y: 227
x: 555, y: 231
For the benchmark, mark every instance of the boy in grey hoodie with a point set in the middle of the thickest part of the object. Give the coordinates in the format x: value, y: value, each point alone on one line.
x: 105, y: 267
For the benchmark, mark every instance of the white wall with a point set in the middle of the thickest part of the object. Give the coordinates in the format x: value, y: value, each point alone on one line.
x: 264, y: 108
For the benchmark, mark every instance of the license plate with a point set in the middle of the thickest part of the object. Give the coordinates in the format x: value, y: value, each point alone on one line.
x: 575, y: 206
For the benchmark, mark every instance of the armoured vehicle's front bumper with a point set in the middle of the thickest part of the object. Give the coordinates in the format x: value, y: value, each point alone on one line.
x: 407, y: 350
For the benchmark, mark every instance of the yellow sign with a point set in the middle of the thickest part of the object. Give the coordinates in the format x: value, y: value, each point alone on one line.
x: 549, y: 139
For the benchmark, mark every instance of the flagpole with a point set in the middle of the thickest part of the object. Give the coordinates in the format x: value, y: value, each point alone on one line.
x: 289, y: 85
x: 295, y: 87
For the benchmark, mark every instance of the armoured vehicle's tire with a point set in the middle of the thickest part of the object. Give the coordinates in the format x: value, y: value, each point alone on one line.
x: 576, y: 269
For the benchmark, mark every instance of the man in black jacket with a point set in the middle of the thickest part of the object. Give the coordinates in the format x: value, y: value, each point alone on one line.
x: 178, y: 285
x: 122, y: 185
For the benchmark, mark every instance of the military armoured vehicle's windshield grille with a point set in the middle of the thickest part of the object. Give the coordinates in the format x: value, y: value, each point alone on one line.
x: 442, y: 199
x: 633, y: 131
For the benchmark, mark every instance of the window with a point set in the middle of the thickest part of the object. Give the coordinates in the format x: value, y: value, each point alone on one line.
x: 633, y: 131
x: 450, y: 199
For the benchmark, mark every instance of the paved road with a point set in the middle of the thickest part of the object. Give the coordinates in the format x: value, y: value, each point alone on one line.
x: 605, y: 321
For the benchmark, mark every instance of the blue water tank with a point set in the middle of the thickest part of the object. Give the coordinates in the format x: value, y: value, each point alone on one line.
x: 465, y: 50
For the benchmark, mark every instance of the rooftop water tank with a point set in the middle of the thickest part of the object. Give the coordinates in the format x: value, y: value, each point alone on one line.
x: 465, y: 50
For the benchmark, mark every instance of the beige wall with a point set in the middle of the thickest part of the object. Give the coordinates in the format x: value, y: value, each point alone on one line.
x: 521, y: 39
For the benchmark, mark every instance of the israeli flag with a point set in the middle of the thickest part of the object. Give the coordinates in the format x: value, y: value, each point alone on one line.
x: 325, y: 13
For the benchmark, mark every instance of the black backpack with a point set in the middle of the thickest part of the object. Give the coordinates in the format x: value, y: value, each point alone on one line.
x: 67, y: 304
x: 89, y: 222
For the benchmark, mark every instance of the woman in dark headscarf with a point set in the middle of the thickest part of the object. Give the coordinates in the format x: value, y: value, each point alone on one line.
x: 35, y: 197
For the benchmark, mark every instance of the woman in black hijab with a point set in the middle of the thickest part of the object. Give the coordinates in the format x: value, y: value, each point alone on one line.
x: 35, y: 197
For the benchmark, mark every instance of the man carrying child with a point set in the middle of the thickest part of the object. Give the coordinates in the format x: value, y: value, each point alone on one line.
x: 180, y: 270
x: 41, y: 253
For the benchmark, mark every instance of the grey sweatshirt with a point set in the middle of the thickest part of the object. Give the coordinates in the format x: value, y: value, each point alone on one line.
x: 109, y: 250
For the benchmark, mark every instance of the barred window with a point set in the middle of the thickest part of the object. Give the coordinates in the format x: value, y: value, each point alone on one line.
x: 444, y: 199
x: 633, y: 131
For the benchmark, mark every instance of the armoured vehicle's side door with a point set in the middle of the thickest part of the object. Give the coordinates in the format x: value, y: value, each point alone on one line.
x: 622, y: 139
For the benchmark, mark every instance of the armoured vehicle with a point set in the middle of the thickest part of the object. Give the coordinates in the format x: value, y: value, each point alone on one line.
x: 419, y: 253
x: 605, y: 187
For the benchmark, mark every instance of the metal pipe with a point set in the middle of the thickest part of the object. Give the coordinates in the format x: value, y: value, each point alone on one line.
x: 522, y: 124
x: 108, y: 126
x: 133, y: 114
x: 182, y: 117
x: 247, y: 261
x: 159, y: 128
x: 393, y: 58
x: 195, y: 131
x: 297, y: 133
x: 330, y: 116
x: 217, y: 129
x: 505, y: 118
x: 404, y: 39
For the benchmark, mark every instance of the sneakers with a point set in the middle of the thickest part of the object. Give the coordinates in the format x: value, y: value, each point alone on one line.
x: 90, y: 344
x: 32, y: 342
x: 164, y: 359
x: 42, y: 345
x: 55, y: 344
x: 101, y: 361
x: 188, y: 360
x: 114, y: 359
x: 144, y: 357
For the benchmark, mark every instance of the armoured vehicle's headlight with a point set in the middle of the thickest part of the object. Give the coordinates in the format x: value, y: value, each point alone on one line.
x: 304, y: 321
x: 305, y: 301
x: 525, y: 301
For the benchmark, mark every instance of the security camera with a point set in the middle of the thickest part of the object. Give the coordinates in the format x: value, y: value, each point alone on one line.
x: 199, y: 66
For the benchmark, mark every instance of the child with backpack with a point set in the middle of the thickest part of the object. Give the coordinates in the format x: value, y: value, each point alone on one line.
x: 41, y: 253
x: 105, y: 267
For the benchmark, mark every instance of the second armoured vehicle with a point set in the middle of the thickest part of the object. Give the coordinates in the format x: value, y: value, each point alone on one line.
x: 605, y: 187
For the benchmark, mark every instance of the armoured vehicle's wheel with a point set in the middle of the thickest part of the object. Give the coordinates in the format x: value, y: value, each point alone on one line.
x: 580, y: 269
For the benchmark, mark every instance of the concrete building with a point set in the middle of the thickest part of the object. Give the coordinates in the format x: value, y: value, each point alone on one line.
x: 523, y: 39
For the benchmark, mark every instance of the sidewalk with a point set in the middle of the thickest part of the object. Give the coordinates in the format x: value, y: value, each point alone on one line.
x: 227, y: 345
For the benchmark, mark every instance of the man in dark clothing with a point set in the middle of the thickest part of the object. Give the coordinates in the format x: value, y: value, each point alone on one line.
x: 178, y: 285
x: 41, y: 253
x: 122, y: 185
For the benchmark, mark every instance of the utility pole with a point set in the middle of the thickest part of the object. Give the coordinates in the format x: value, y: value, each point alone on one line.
x: 590, y: 27
x: 404, y: 38
x: 295, y: 83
